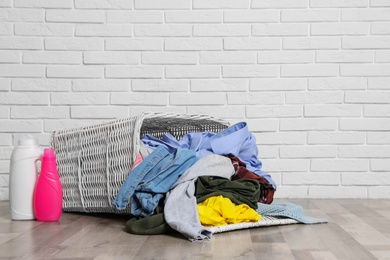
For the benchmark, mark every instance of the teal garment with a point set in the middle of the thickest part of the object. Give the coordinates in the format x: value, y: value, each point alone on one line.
x: 241, y: 191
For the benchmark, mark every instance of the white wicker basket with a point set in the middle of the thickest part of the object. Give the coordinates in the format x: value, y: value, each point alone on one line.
x: 94, y: 161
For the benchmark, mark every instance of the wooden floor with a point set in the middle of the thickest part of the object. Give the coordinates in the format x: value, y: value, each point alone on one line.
x: 357, y: 229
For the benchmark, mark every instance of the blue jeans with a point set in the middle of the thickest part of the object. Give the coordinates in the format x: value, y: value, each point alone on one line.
x: 152, y: 178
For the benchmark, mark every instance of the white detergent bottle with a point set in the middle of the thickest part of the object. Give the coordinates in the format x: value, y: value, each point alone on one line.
x: 23, y: 176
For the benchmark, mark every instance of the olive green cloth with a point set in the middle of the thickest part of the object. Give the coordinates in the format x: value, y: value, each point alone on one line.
x: 152, y: 225
x: 241, y: 191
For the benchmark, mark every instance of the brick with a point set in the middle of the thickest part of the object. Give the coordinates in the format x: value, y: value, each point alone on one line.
x: 309, y: 70
x: 39, y: 112
x: 4, y: 194
x: 104, y: 4
x: 169, y: 58
x: 104, y: 30
x: 192, y: 71
x: 382, y: 56
x: 74, y: 71
x: 162, y: 30
x: 379, y: 192
x: 279, y: 4
x: 281, y: 138
x: 336, y: 138
x: 338, y: 3
x: 251, y: 16
x: 286, y: 165
x: 278, y: 57
x: 311, y: 43
x: 364, y: 124
x: 22, y: 71
x: 5, y: 154
x: 334, y: 29
x: 314, y: 97
x: 278, y: 84
x: 250, y: 71
x: 193, y: 16
x: 379, y: 3
x: 143, y: 44
x: 271, y: 98
x: 43, y: 29
x: 59, y: 4
x: 273, y: 111
x: 75, y: 16
x: 280, y: 29
x: 372, y: 151
x: 6, y: 3
x: 225, y: 112
x: 162, y: 4
x: 380, y: 28
x: 219, y: 85
x: 151, y: 85
x: 292, y: 191
x: 268, y: 152
x: 117, y: 57
x: 40, y: 85
x: 10, y: 57
x: 308, y: 15
x: 377, y: 110
x: 134, y: 72
x: 55, y: 125
x: 366, y: 179
x: 308, y: 151
x: 227, y: 57
x: 262, y: 125
x: 308, y: 124
x: 378, y: 83
x: 137, y: 110
x: 6, y: 29
x: 337, y: 83
x: 333, y: 111
x: 79, y: 98
x: 74, y: 44
x: 197, y: 99
x: 367, y: 97
x: 20, y: 126
x: 370, y: 14
x: 141, y: 99
x: 25, y: 43
x: 300, y: 179
x: 378, y: 138
x: 222, y: 30
x: 21, y: 15
x: 134, y: 16
x: 372, y: 42
x: 380, y: 165
x: 4, y: 113
x: 221, y: 4
x: 333, y: 165
x: 97, y: 112
x: 5, y: 84
x: 101, y: 85
x: 55, y: 57
x: 344, y: 56
x: 236, y: 43
x: 331, y: 192
x: 5, y: 139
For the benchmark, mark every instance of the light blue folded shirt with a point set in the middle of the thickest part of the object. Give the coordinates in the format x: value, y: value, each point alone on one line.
x: 236, y: 140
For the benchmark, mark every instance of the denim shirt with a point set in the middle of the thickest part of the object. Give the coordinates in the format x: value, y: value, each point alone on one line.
x: 236, y: 140
x: 152, y: 178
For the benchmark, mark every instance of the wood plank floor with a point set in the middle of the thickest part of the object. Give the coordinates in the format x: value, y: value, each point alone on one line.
x: 357, y: 229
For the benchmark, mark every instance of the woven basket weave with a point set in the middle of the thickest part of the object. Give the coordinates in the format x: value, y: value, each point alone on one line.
x: 93, y: 162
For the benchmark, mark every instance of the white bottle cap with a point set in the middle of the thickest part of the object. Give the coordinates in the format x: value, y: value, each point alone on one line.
x: 27, y: 140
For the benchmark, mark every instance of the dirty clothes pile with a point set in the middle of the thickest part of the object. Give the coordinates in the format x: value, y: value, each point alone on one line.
x: 200, y: 180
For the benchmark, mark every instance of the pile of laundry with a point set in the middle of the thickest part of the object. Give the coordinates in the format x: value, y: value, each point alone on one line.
x: 204, y: 179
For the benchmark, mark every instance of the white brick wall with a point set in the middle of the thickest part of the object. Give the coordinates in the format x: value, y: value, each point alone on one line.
x: 311, y: 78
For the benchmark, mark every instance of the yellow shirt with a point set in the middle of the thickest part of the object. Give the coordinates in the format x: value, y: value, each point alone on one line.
x: 219, y: 211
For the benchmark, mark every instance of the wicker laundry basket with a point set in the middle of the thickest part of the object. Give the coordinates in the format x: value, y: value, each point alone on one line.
x: 94, y: 161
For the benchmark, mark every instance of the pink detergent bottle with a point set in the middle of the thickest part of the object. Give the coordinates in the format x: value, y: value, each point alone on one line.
x: 48, y: 190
